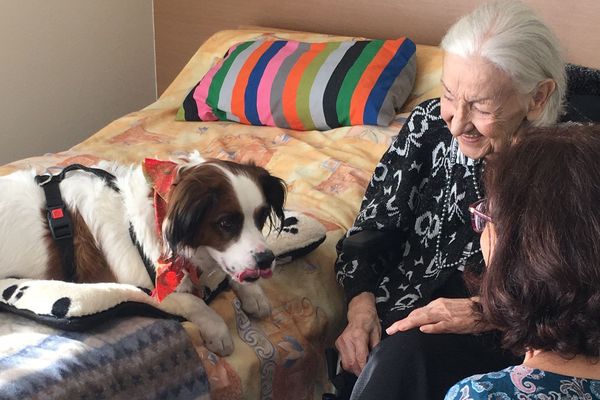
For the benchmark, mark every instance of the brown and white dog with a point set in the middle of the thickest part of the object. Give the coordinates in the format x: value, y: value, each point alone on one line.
x: 214, y: 217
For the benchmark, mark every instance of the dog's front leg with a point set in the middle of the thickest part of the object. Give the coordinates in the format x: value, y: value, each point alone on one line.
x: 212, y: 327
x: 253, y: 298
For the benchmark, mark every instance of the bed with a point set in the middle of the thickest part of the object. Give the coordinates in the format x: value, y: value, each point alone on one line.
x: 281, y: 357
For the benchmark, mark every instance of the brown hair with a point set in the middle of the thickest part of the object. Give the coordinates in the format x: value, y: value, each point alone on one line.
x: 542, y: 285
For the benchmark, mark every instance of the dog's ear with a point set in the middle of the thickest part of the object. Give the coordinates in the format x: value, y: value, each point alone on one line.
x: 274, y: 190
x: 188, y: 207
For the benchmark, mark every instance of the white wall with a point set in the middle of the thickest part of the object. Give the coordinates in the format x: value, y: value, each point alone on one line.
x: 68, y: 67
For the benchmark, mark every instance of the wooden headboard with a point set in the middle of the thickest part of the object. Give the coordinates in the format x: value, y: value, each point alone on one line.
x: 182, y: 25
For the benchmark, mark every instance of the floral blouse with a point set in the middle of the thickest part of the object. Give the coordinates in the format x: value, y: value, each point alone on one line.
x: 524, y: 383
x: 419, y: 194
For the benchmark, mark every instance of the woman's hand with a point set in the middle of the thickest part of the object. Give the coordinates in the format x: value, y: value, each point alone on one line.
x: 362, y: 333
x: 443, y: 316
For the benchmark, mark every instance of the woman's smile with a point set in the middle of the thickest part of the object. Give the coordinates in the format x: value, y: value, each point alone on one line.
x: 471, y: 137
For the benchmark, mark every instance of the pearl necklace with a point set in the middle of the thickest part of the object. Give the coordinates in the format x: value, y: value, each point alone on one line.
x: 438, y: 255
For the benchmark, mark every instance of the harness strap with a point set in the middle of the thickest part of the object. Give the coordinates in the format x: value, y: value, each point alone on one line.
x: 59, y: 221
x: 209, y: 295
x: 59, y: 218
x: 100, y: 173
x: 149, y: 265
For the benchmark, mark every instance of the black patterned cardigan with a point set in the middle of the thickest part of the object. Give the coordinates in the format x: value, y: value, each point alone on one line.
x: 419, y: 192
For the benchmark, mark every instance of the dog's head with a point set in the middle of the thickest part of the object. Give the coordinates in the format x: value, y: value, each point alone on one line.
x: 220, y: 207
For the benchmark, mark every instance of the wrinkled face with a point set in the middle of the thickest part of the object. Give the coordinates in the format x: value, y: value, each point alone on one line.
x: 480, y: 104
x: 220, y: 208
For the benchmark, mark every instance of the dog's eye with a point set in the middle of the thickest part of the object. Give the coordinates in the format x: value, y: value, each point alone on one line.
x: 229, y: 223
x: 226, y: 224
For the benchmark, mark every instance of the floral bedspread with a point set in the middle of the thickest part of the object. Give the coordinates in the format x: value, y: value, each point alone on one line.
x: 281, y: 357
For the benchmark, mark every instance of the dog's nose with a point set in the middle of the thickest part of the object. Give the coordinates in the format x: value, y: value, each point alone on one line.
x: 264, y: 259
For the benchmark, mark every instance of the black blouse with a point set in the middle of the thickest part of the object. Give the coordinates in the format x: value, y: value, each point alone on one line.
x: 419, y: 193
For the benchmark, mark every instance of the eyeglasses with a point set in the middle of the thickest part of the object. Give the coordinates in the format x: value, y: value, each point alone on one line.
x: 479, y: 215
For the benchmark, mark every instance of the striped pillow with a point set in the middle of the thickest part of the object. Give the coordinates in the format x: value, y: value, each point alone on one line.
x: 306, y: 86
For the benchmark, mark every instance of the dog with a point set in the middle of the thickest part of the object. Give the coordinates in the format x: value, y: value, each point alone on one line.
x: 214, y: 213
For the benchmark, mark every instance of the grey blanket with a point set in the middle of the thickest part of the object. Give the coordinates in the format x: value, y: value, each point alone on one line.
x: 128, y: 358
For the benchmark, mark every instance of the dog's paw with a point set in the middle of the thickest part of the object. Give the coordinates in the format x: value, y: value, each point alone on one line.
x: 254, y: 301
x: 213, y: 329
x: 217, y: 338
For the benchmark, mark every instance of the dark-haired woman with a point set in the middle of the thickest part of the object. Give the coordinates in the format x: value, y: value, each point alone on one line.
x: 540, y: 238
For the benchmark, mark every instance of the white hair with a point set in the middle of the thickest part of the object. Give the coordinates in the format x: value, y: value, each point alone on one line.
x: 516, y: 40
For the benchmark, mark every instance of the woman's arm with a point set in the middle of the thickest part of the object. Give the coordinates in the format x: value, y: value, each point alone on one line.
x: 388, y: 207
x: 362, y: 333
x: 444, y: 315
x: 384, y: 209
x: 391, y: 199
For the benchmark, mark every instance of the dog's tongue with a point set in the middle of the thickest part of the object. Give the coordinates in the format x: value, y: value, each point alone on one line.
x: 253, y: 274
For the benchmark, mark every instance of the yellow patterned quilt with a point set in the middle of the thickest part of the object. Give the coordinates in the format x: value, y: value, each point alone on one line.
x: 280, y: 357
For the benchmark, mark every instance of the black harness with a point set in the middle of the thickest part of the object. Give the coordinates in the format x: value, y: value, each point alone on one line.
x: 59, y: 219
x: 61, y: 226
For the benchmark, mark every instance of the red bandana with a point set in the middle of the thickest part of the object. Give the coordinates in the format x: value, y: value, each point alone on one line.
x: 169, y: 270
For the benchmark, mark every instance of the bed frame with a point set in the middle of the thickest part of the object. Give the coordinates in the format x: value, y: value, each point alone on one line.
x: 182, y: 25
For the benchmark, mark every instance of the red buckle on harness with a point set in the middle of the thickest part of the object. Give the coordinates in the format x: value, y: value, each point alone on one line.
x: 59, y: 223
x: 57, y: 213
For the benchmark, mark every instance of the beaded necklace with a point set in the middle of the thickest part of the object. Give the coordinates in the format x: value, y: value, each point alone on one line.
x: 439, y: 261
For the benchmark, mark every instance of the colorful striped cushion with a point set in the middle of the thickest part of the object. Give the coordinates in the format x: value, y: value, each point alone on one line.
x: 306, y: 86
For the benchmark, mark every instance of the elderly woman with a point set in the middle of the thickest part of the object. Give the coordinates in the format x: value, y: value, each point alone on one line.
x: 502, y: 72
x: 540, y: 229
